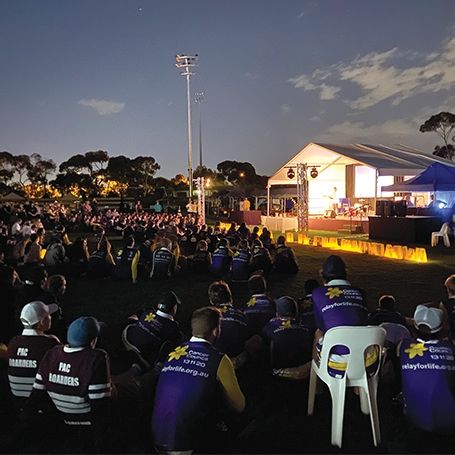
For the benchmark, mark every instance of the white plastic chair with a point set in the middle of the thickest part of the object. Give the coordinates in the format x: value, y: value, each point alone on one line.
x: 357, y: 339
x: 444, y: 233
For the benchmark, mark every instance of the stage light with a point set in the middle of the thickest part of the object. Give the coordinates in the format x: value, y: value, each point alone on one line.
x: 291, y: 173
x: 314, y: 172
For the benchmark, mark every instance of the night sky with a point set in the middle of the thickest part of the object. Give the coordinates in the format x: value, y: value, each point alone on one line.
x: 99, y: 74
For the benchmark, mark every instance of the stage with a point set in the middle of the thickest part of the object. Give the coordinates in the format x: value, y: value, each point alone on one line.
x: 405, y: 230
x: 339, y: 224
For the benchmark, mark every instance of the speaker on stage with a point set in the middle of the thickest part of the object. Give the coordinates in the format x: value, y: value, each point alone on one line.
x: 399, y: 208
x: 380, y: 208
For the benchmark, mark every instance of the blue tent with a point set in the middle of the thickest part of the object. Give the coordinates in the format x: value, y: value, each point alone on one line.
x: 436, y: 177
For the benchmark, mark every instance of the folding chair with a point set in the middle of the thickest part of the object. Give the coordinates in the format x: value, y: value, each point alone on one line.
x: 444, y: 233
x: 357, y: 340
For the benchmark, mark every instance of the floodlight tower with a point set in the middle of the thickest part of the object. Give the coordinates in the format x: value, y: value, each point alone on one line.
x: 199, y: 98
x: 186, y: 63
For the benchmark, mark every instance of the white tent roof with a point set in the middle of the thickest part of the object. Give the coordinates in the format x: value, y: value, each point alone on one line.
x: 399, y: 160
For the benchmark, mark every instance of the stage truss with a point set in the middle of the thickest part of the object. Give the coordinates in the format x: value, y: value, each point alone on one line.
x: 200, y: 185
x: 302, y: 198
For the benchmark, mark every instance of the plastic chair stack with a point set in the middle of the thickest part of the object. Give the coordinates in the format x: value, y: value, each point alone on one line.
x: 357, y: 340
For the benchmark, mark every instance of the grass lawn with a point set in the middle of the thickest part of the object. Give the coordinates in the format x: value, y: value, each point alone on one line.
x: 411, y: 283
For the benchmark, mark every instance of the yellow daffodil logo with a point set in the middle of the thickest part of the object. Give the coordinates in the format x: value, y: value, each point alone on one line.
x: 181, y: 351
x: 333, y: 292
x: 286, y: 324
x: 150, y: 317
x: 251, y: 302
x: 416, y: 349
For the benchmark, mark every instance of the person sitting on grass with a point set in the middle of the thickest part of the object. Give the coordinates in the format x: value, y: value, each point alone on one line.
x: 26, y: 351
x: 221, y: 259
x: 154, y: 331
x: 126, y: 262
x: 77, y: 380
x: 306, y: 312
x: 284, y: 258
x: 289, y: 341
x: 195, y: 384
x: 386, y: 312
x: 260, y: 308
x: 428, y: 374
x: 233, y: 324
x: 202, y: 258
x: 101, y: 262
x: 240, y: 270
x: 261, y: 258
x: 163, y: 260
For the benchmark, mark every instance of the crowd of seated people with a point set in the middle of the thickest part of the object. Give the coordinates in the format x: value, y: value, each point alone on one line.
x: 197, y: 398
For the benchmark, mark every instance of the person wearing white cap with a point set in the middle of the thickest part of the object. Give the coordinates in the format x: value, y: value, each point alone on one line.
x: 428, y: 374
x: 26, y: 351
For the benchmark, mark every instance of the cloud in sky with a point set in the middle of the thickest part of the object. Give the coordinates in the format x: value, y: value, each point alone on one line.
x: 398, y: 130
x: 103, y: 107
x: 379, y: 77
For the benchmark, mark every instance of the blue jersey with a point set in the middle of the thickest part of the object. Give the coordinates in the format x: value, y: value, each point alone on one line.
x: 290, y: 342
x: 234, y: 331
x: 241, y: 265
x: 186, y: 395
x: 428, y: 373
x: 221, y: 262
x: 259, y: 310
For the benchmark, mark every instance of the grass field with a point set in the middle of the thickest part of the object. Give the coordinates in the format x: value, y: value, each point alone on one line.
x: 411, y: 283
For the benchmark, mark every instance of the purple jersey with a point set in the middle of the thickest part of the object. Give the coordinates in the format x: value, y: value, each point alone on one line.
x: 428, y: 373
x: 291, y: 343
x: 151, y: 330
x: 241, y: 265
x: 259, y: 310
x: 186, y: 395
x: 337, y: 304
x: 234, y: 331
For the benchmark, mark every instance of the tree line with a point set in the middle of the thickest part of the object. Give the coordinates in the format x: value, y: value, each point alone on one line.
x: 95, y: 173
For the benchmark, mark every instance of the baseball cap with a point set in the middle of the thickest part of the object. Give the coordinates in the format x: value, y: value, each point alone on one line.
x: 334, y: 266
x: 168, y: 301
x: 82, y: 331
x: 427, y: 316
x: 34, y: 312
x: 286, y: 306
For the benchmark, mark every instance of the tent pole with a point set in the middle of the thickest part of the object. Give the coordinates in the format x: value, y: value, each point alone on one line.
x: 268, y: 200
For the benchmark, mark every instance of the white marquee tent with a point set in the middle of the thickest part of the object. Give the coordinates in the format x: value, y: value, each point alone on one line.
x: 355, y: 170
